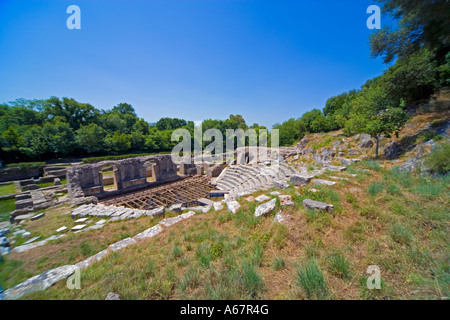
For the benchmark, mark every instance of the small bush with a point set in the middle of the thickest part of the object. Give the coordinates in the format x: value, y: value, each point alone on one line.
x: 371, y: 211
x: 251, y: 280
x: 375, y: 188
x: 216, y: 250
x: 339, y: 265
x: 398, y: 208
x: 278, y: 263
x: 370, y: 164
x: 439, y: 160
x: 400, y: 234
x: 312, y: 280
x: 176, y: 252
x: 280, y: 235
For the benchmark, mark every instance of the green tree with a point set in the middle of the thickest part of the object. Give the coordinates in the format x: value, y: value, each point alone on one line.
x: 91, y: 138
x: 386, y: 123
x: 419, y: 24
x: 117, y: 142
x: 35, y: 143
x: 59, y: 137
x: 137, y: 140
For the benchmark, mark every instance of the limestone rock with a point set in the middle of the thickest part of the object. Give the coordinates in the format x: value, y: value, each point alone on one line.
x: 265, y: 208
x: 366, y: 144
x: 112, y: 296
x: 78, y: 227
x: 149, y: 233
x: 158, y: 212
x: 32, y: 240
x: 323, y: 182
x: 218, y: 206
x: 62, y: 229
x: 26, y: 235
x: 286, y: 200
x: 206, y: 208
x: 280, y: 184
x: 250, y: 199
x: 233, y: 206
x: 279, y: 218
x: 301, y: 179
x: 170, y: 221
x: 392, y: 151
x: 311, y: 204
x: 122, y: 244
x: 38, y: 216
x: 39, y: 282
x: 347, y: 162
x: 262, y: 198
x: 176, y: 207
x: 335, y: 168
x: 187, y: 215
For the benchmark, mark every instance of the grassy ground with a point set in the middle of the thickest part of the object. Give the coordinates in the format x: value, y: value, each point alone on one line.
x: 395, y: 220
x: 51, y: 184
x: 6, y: 189
x: 18, y: 267
x: 6, y: 207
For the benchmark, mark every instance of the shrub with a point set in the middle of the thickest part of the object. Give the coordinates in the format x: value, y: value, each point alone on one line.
x: 251, y: 280
x: 312, y: 280
x: 400, y: 234
x: 339, y: 265
x: 371, y: 211
x: 439, y: 160
x: 278, y: 263
x: 176, y: 252
x: 215, y: 250
x: 375, y: 188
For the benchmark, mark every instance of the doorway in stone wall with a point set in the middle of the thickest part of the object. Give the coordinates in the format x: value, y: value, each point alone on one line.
x: 109, y: 177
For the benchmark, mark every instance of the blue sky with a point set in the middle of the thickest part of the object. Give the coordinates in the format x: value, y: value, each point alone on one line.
x: 191, y: 59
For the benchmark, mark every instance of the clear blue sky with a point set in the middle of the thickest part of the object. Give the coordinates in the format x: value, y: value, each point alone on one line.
x: 191, y: 59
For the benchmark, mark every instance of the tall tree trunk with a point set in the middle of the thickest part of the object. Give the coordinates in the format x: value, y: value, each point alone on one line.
x: 377, y: 139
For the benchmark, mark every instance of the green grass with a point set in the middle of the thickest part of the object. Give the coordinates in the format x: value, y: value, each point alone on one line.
x: 339, y: 265
x: 51, y: 184
x: 6, y: 189
x: 401, y: 234
x: 311, y: 279
x: 370, y: 211
x: 26, y: 165
x: 376, y: 188
x: 6, y: 207
x: 278, y: 263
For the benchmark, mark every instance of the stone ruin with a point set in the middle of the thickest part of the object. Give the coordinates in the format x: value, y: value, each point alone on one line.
x: 129, y: 174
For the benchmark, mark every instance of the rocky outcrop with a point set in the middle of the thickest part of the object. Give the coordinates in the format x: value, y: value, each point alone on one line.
x: 392, y: 151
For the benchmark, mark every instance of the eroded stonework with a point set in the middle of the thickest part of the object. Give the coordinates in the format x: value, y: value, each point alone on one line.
x: 129, y: 174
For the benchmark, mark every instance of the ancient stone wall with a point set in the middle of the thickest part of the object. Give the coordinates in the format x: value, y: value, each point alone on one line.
x: 87, y: 180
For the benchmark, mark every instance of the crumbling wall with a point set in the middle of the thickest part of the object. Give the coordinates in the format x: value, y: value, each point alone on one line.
x: 87, y: 180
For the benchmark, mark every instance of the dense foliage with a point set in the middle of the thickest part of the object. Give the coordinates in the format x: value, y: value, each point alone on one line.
x: 45, y: 129
x: 420, y: 44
